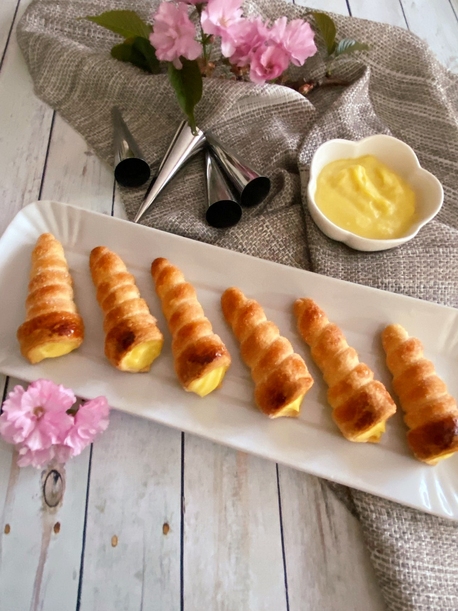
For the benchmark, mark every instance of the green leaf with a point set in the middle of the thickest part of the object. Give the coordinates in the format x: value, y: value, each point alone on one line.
x: 187, y: 83
x: 139, y: 52
x: 327, y: 29
x: 125, y: 23
x: 146, y: 49
x: 348, y: 45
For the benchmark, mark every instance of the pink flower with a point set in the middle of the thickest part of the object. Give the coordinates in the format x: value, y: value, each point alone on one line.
x: 34, y: 458
x: 37, y: 417
x: 174, y: 34
x: 268, y: 63
x: 41, y: 423
x: 296, y: 38
x: 90, y: 421
x: 242, y: 39
x: 219, y: 15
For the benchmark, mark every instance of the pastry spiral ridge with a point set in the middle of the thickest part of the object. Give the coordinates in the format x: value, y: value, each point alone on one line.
x: 53, y: 326
x: 430, y: 412
x: 132, y: 338
x: 280, y: 375
x: 200, y: 356
x: 361, y: 405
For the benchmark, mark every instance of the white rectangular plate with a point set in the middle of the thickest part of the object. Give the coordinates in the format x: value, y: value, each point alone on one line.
x: 310, y: 443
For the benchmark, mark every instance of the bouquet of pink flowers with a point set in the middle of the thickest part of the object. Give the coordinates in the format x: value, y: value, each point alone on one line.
x: 182, y: 36
x: 44, y: 422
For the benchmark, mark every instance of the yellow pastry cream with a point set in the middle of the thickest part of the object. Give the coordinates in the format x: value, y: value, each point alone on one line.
x: 364, y: 196
x: 207, y: 384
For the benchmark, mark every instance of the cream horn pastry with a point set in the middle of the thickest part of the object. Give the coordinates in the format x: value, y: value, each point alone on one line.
x: 132, y: 338
x: 200, y: 356
x: 430, y: 412
x: 361, y: 405
x: 280, y: 375
x: 53, y: 326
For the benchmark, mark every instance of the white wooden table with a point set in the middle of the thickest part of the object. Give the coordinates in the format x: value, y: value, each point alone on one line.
x: 152, y: 518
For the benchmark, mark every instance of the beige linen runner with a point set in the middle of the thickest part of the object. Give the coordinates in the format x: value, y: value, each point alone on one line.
x: 397, y: 88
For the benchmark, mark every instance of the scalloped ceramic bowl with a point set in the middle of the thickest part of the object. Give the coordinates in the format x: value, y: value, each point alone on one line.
x: 398, y: 156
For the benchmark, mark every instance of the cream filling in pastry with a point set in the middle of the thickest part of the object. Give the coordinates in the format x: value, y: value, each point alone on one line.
x: 289, y: 411
x: 52, y: 350
x: 141, y: 357
x: 205, y: 385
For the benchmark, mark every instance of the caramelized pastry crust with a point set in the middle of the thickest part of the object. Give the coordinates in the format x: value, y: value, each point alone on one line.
x: 200, y: 356
x: 361, y: 405
x: 280, y: 375
x: 53, y: 326
x: 132, y: 338
x: 430, y: 412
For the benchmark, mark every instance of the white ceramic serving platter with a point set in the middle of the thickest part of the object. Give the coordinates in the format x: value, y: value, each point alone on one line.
x: 311, y: 442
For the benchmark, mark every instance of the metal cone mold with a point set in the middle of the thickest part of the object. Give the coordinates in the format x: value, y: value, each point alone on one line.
x: 131, y: 169
x: 251, y: 186
x: 184, y: 145
x: 223, y: 208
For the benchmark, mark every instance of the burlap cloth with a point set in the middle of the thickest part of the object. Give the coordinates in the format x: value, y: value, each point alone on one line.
x: 397, y: 88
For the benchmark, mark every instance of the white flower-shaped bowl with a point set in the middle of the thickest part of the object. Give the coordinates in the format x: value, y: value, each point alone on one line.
x: 400, y: 158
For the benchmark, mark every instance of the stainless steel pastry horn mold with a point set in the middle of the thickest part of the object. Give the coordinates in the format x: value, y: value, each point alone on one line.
x: 131, y: 169
x: 251, y: 186
x: 223, y: 209
x: 184, y: 145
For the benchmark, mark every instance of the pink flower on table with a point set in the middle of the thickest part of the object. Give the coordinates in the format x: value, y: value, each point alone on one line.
x: 43, y: 423
x: 242, y: 39
x: 267, y: 63
x: 174, y: 34
x: 37, y: 417
x: 91, y: 420
x: 219, y: 15
x: 296, y: 38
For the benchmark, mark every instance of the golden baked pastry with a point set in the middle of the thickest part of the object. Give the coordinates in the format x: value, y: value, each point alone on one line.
x: 430, y: 412
x: 132, y: 338
x: 361, y: 405
x: 53, y: 326
x: 280, y: 375
x: 201, y: 358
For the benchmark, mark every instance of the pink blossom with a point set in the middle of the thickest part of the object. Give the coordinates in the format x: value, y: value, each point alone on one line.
x: 41, y: 422
x: 90, y: 421
x: 242, y: 39
x: 268, y: 63
x: 296, y: 38
x: 219, y: 15
x: 34, y: 458
x: 174, y: 34
x: 37, y: 417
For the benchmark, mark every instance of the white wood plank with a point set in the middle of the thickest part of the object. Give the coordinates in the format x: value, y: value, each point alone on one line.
x: 328, y: 565
x: 330, y: 6
x: 388, y: 11
x: 232, y: 542
x: 7, y: 14
x: 25, y: 122
x: 70, y: 164
x: 118, y: 206
x: 40, y: 547
x: 436, y: 22
x: 132, y: 553
x: 454, y: 4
